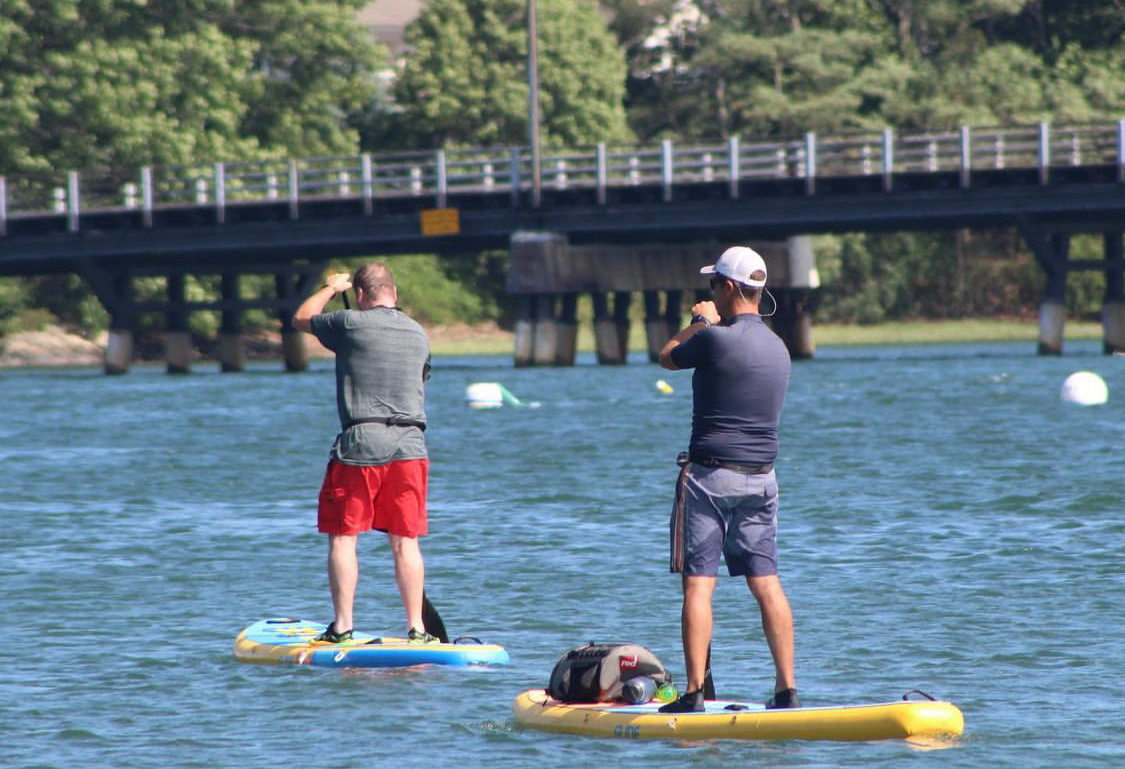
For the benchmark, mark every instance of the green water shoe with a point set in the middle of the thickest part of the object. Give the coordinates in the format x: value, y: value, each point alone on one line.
x: 416, y: 636
x: 689, y: 702
x: 331, y: 636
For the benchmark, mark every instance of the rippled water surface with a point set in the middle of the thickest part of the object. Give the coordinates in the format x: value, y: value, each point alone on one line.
x: 947, y: 524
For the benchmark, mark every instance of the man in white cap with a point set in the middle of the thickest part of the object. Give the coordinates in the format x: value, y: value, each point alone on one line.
x: 726, y: 495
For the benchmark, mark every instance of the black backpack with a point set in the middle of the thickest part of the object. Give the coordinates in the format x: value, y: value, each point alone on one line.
x: 598, y: 672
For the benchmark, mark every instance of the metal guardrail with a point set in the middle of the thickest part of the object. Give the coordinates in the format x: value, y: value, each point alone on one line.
x: 441, y: 173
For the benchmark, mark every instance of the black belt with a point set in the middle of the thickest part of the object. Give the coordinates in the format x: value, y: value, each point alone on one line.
x: 747, y: 469
x: 391, y: 421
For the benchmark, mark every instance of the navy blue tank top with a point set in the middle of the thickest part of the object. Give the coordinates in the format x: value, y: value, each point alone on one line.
x: 741, y: 375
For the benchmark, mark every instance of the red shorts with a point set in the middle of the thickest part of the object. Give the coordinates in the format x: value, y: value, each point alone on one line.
x: 390, y: 498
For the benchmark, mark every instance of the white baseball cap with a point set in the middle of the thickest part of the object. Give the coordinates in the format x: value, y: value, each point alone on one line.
x: 739, y: 263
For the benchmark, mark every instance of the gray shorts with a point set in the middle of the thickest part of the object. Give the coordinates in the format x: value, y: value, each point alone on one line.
x: 724, y: 512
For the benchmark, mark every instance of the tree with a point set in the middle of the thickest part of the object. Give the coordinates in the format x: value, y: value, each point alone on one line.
x: 316, y: 72
x: 113, y: 84
x: 172, y: 82
x: 718, y: 68
x: 662, y: 90
x: 771, y: 68
x: 465, y: 82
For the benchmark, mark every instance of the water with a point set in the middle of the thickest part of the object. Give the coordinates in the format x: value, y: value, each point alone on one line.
x: 947, y: 524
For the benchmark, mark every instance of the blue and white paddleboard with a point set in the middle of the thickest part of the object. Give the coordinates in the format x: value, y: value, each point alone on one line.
x: 292, y: 641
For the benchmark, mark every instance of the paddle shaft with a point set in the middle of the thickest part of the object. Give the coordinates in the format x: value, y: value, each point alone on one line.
x: 708, y: 681
x: 430, y: 617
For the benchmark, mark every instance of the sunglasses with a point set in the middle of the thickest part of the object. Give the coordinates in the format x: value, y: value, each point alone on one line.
x: 716, y: 281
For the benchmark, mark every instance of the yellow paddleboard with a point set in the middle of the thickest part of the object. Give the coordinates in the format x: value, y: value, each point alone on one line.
x: 922, y: 720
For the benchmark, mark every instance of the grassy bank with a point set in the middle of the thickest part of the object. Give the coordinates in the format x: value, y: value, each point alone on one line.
x: 947, y: 331
x: 487, y: 340
x: 55, y: 347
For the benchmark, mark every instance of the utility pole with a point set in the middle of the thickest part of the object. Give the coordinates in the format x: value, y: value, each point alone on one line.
x: 533, y: 100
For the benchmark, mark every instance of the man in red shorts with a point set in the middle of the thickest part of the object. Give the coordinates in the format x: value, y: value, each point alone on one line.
x: 377, y: 471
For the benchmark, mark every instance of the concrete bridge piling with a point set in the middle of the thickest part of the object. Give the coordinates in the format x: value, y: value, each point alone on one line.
x: 544, y: 266
x: 661, y: 322
x: 177, y: 338
x: 1113, y: 309
x: 1051, y: 248
x: 232, y: 352
x: 115, y: 290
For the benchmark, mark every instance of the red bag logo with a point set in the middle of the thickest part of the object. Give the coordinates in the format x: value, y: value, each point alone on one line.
x: 626, y: 661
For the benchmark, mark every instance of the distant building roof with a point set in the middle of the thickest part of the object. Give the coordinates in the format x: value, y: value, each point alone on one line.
x: 387, y: 18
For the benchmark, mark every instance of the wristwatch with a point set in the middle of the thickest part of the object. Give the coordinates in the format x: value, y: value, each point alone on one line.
x: 700, y: 319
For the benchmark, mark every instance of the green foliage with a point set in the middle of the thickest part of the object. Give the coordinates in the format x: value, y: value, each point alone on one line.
x: 427, y: 293
x: 13, y: 301
x: 1085, y: 291
x: 871, y: 278
x: 69, y: 300
x: 448, y: 291
x: 314, y: 74
x: 124, y: 84
x: 466, y: 83
x: 705, y: 68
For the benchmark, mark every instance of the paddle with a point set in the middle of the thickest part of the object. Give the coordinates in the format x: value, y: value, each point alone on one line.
x: 430, y: 618
x: 708, y: 681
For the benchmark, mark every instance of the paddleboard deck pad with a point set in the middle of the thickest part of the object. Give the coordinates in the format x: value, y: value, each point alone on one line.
x: 293, y: 641
x: 724, y: 719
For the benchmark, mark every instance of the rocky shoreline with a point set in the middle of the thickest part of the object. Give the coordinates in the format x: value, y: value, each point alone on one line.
x: 52, y: 346
x: 56, y: 346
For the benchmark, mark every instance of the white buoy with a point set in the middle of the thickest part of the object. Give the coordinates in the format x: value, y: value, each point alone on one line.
x: 1084, y: 388
x: 484, y: 395
x: 491, y: 395
x: 664, y: 387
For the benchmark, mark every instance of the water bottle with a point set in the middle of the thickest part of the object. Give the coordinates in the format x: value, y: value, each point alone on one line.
x: 667, y: 692
x: 638, y: 690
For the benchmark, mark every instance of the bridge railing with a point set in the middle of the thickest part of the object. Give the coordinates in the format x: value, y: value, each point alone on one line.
x: 441, y: 173
x: 34, y: 193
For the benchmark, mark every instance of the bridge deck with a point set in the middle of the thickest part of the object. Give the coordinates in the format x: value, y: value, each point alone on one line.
x: 254, y: 215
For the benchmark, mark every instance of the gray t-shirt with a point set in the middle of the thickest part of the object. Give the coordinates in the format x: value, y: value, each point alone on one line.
x: 382, y: 361
x: 741, y: 374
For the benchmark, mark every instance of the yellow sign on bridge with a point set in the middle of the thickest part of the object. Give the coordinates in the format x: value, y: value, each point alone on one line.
x: 441, y: 221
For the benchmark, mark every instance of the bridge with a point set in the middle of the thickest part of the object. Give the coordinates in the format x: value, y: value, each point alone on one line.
x: 608, y: 220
